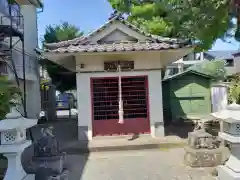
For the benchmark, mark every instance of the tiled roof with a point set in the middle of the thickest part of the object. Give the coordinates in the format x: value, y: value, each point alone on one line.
x: 221, y: 54
x: 82, y: 44
x: 119, y: 47
x: 186, y: 72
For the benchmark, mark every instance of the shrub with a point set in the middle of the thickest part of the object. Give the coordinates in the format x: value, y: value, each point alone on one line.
x: 9, y: 94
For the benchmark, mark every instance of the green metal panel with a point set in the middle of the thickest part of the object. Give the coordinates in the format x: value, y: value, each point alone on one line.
x: 190, y: 95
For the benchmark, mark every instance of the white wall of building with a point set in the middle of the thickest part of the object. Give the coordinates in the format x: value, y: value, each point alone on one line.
x: 237, y: 64
x: 84, y: 101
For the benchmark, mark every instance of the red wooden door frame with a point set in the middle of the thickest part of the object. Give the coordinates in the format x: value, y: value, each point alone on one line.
x: 111, y: 126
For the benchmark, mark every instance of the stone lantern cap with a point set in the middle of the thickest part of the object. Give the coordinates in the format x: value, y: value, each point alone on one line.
x: 13, y: 129
x: 14, y: 120
x: 231, y: 113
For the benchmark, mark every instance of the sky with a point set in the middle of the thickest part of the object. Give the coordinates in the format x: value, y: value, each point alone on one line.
x: 88, y: 15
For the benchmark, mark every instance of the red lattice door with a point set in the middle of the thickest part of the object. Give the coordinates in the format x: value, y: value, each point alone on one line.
x: 105, y: 106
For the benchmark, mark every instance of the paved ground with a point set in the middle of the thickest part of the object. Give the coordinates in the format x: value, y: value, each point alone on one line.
x: 134, y: 165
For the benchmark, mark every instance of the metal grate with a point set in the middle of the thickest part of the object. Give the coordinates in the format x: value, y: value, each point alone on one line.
x: 105, y: 98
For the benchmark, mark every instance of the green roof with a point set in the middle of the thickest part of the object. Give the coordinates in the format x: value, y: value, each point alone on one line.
x: 187, y: 72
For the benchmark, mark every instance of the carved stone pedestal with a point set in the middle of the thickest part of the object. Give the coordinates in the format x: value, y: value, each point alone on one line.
x: 204, y: 150
x: 51, y: 176
x: 205, y: 157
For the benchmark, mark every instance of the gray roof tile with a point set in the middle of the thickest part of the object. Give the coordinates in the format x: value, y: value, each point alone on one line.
x: 119, y: 47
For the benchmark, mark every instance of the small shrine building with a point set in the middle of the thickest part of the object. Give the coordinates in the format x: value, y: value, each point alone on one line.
x: 119, y: 78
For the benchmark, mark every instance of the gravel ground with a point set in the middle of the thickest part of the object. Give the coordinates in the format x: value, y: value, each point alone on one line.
x: 134, y: 165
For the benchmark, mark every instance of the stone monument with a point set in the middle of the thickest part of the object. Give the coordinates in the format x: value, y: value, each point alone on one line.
x: 48, y: 162
x: 203, y: 150
x: 13, y: 142
x: 231, y: 133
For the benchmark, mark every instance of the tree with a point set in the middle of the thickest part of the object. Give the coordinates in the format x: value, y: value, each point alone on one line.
x: 62, y: 78
x: 61, y: 32
x: 234, y: 88
x: 214, y: 68
x: 8, y: 92
x: 202, y: 21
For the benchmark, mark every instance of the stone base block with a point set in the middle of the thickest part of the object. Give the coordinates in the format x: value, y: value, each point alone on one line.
x: 205, y: 157
x: 224, y: 173
x: 53, y: 164
x: 63, y: 176
x: 29, y: 177
x: 157, y: 130
x: 83, y: 134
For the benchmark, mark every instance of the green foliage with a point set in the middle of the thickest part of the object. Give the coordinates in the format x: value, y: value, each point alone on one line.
x: 201, y: 21
x: 60, y: 76
x: 8, y: 92
x: 234, y: 88
x: 214, y: 68
x: 61, y: 32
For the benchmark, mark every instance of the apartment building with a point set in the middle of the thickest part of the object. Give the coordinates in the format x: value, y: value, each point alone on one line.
x: 184, y: 63
x: 18, y: 41
x: 194, y: 58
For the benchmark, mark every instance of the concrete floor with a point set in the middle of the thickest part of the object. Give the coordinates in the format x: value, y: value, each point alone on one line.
x: 134, y: 165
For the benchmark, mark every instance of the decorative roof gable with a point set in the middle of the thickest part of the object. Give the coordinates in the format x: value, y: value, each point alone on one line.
x: 139, y: 40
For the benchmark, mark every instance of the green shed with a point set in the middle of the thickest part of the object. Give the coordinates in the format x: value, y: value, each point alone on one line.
x: 186, y: 94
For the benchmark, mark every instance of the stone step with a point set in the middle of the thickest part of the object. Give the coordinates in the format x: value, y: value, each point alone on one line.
x: 121, y: 144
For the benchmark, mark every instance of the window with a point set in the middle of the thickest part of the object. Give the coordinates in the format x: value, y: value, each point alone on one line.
x: 192, y: 57
x: 16, y: 14
x: 4, y: 6
x: 229, y: 62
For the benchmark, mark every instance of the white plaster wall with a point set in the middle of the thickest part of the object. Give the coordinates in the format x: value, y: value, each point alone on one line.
x: 155, y: 99
x: 141, y: 61
x: 237, y: 64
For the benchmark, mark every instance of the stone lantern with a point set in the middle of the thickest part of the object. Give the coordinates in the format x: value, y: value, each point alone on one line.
x: 230, y: 132
x: 48, y: 163
x: 13, y: 142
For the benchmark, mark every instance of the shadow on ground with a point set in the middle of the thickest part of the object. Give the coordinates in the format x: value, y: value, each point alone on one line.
x: 179, y: 129
x: 65, y: 132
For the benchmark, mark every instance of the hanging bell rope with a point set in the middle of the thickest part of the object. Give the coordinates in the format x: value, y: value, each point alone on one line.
x: 120, y: 102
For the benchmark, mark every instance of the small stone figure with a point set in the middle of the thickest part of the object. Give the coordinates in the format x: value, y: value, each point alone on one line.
x: 47, y: 146
x: 201, y: 139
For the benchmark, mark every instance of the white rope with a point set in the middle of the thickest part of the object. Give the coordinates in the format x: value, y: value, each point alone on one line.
x: 120, y: 103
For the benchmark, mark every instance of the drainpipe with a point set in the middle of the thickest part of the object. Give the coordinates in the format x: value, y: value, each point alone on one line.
x: 120, y: 103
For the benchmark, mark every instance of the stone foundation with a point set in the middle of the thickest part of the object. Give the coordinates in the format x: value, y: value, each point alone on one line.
x: 83, y: 134
x: 225, y: 173
x: 205, y: 157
